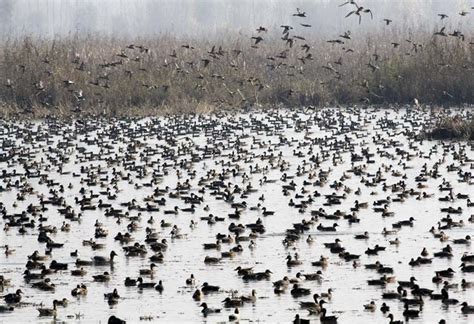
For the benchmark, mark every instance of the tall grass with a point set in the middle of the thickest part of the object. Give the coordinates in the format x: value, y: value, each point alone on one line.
x: 151, y: 79
x: 454, y: 127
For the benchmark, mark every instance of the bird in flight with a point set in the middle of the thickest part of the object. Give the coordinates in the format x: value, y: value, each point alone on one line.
x: 286, y: 29
x: 352, y: 2
x: 257, y: 39
x: 299, y: 13
x: 441, y: 32
x: 359, y: 11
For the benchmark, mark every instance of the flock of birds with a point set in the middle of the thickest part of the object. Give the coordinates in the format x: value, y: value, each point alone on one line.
x: 90, y: 82
x: 150, y: 184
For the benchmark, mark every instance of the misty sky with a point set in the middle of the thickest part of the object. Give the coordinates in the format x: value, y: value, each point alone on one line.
x: 208, y: 18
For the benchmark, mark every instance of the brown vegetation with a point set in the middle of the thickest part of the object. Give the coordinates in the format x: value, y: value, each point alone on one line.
x: 455, y: 127
x: 96, y: 75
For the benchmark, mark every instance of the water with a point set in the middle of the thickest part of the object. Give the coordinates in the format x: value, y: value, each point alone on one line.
x: 185, y: 256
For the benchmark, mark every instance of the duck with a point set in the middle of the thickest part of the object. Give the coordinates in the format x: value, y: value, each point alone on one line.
x: 299, y: 320
x: 102, y: 277
x: 206, y: 288
x: 231, y: 303
x: 113, y: 294
x: 467, y: 267
x: 45, y: 285
x: 313, y: 306
x: 159, y: 287
x: 78, y: 272
x: 327, y: 294
x: 327, y: 319
x: 234, y: 317
x: 207, y: 310
x: 13, y: 298
x: 446, y: 300
x: 467, y: 309
x: 407, y: 284
x: 48, y: 311
x: 410, y: 313
x: 115, y: 320
x: 370, y: 306
x: 322, y: 262
x: 298, y: 291
x: 466, y: 284
x: 80, y: 290
x: 150, y: 271
x: 197, y: 295
x: 80, y: 262
x: 466, y: 240
x: 364, y: 236
x: 191, y: 281
x: 252, y: 298
x: 384, y: 308
x: 6, y: 309
x: 145, y: 285
x: 392, y: 321
x: 292, y: 262
x: 101, y: 260
x: 129, y: 282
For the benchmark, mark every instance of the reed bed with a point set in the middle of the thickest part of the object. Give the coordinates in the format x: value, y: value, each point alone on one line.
x: 96, y: 75
x: 455, y: 128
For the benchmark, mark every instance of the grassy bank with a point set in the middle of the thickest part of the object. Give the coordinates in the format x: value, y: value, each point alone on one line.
x: 164, y: 74
x: 453, y: 128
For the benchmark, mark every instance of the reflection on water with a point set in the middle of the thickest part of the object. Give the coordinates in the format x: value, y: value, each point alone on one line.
x: 314, y: 149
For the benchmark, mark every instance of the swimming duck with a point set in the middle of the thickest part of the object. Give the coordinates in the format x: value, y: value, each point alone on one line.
x: 115, y: 320
x: 159, y: 287
x: 234, y: 317
x: 252, y: 298
x: 6, y: 309
x: 446, y: 300
x: 197, y: 295
x: 467, y: 309
x: 148, y: 271
x: 371, y: 306
x: 206, y: 310
x: 392, y: 321
x: 13, y: 298
x: 45, y: 285
x: 292, y: 262
x: 299, y: 320
x: 298, y: 291
x: 231, y: 303
x: 410, y: 313
x: 191, y: 280
x: 101, y: 260
x: 145, y: 285
x: 313, y: 306
x: 207, y: 288
x: 80, y: 290
x: 327, y: 319
x: 466, y: 267
x: 384, y: 308
x: 48, y: 311
x: 102, y: 277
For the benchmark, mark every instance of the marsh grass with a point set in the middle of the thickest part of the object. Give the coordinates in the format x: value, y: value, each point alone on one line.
x: 454, y: 127
x: 151, y: 80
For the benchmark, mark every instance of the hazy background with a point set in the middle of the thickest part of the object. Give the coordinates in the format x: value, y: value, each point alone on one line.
x: 208, y: 18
